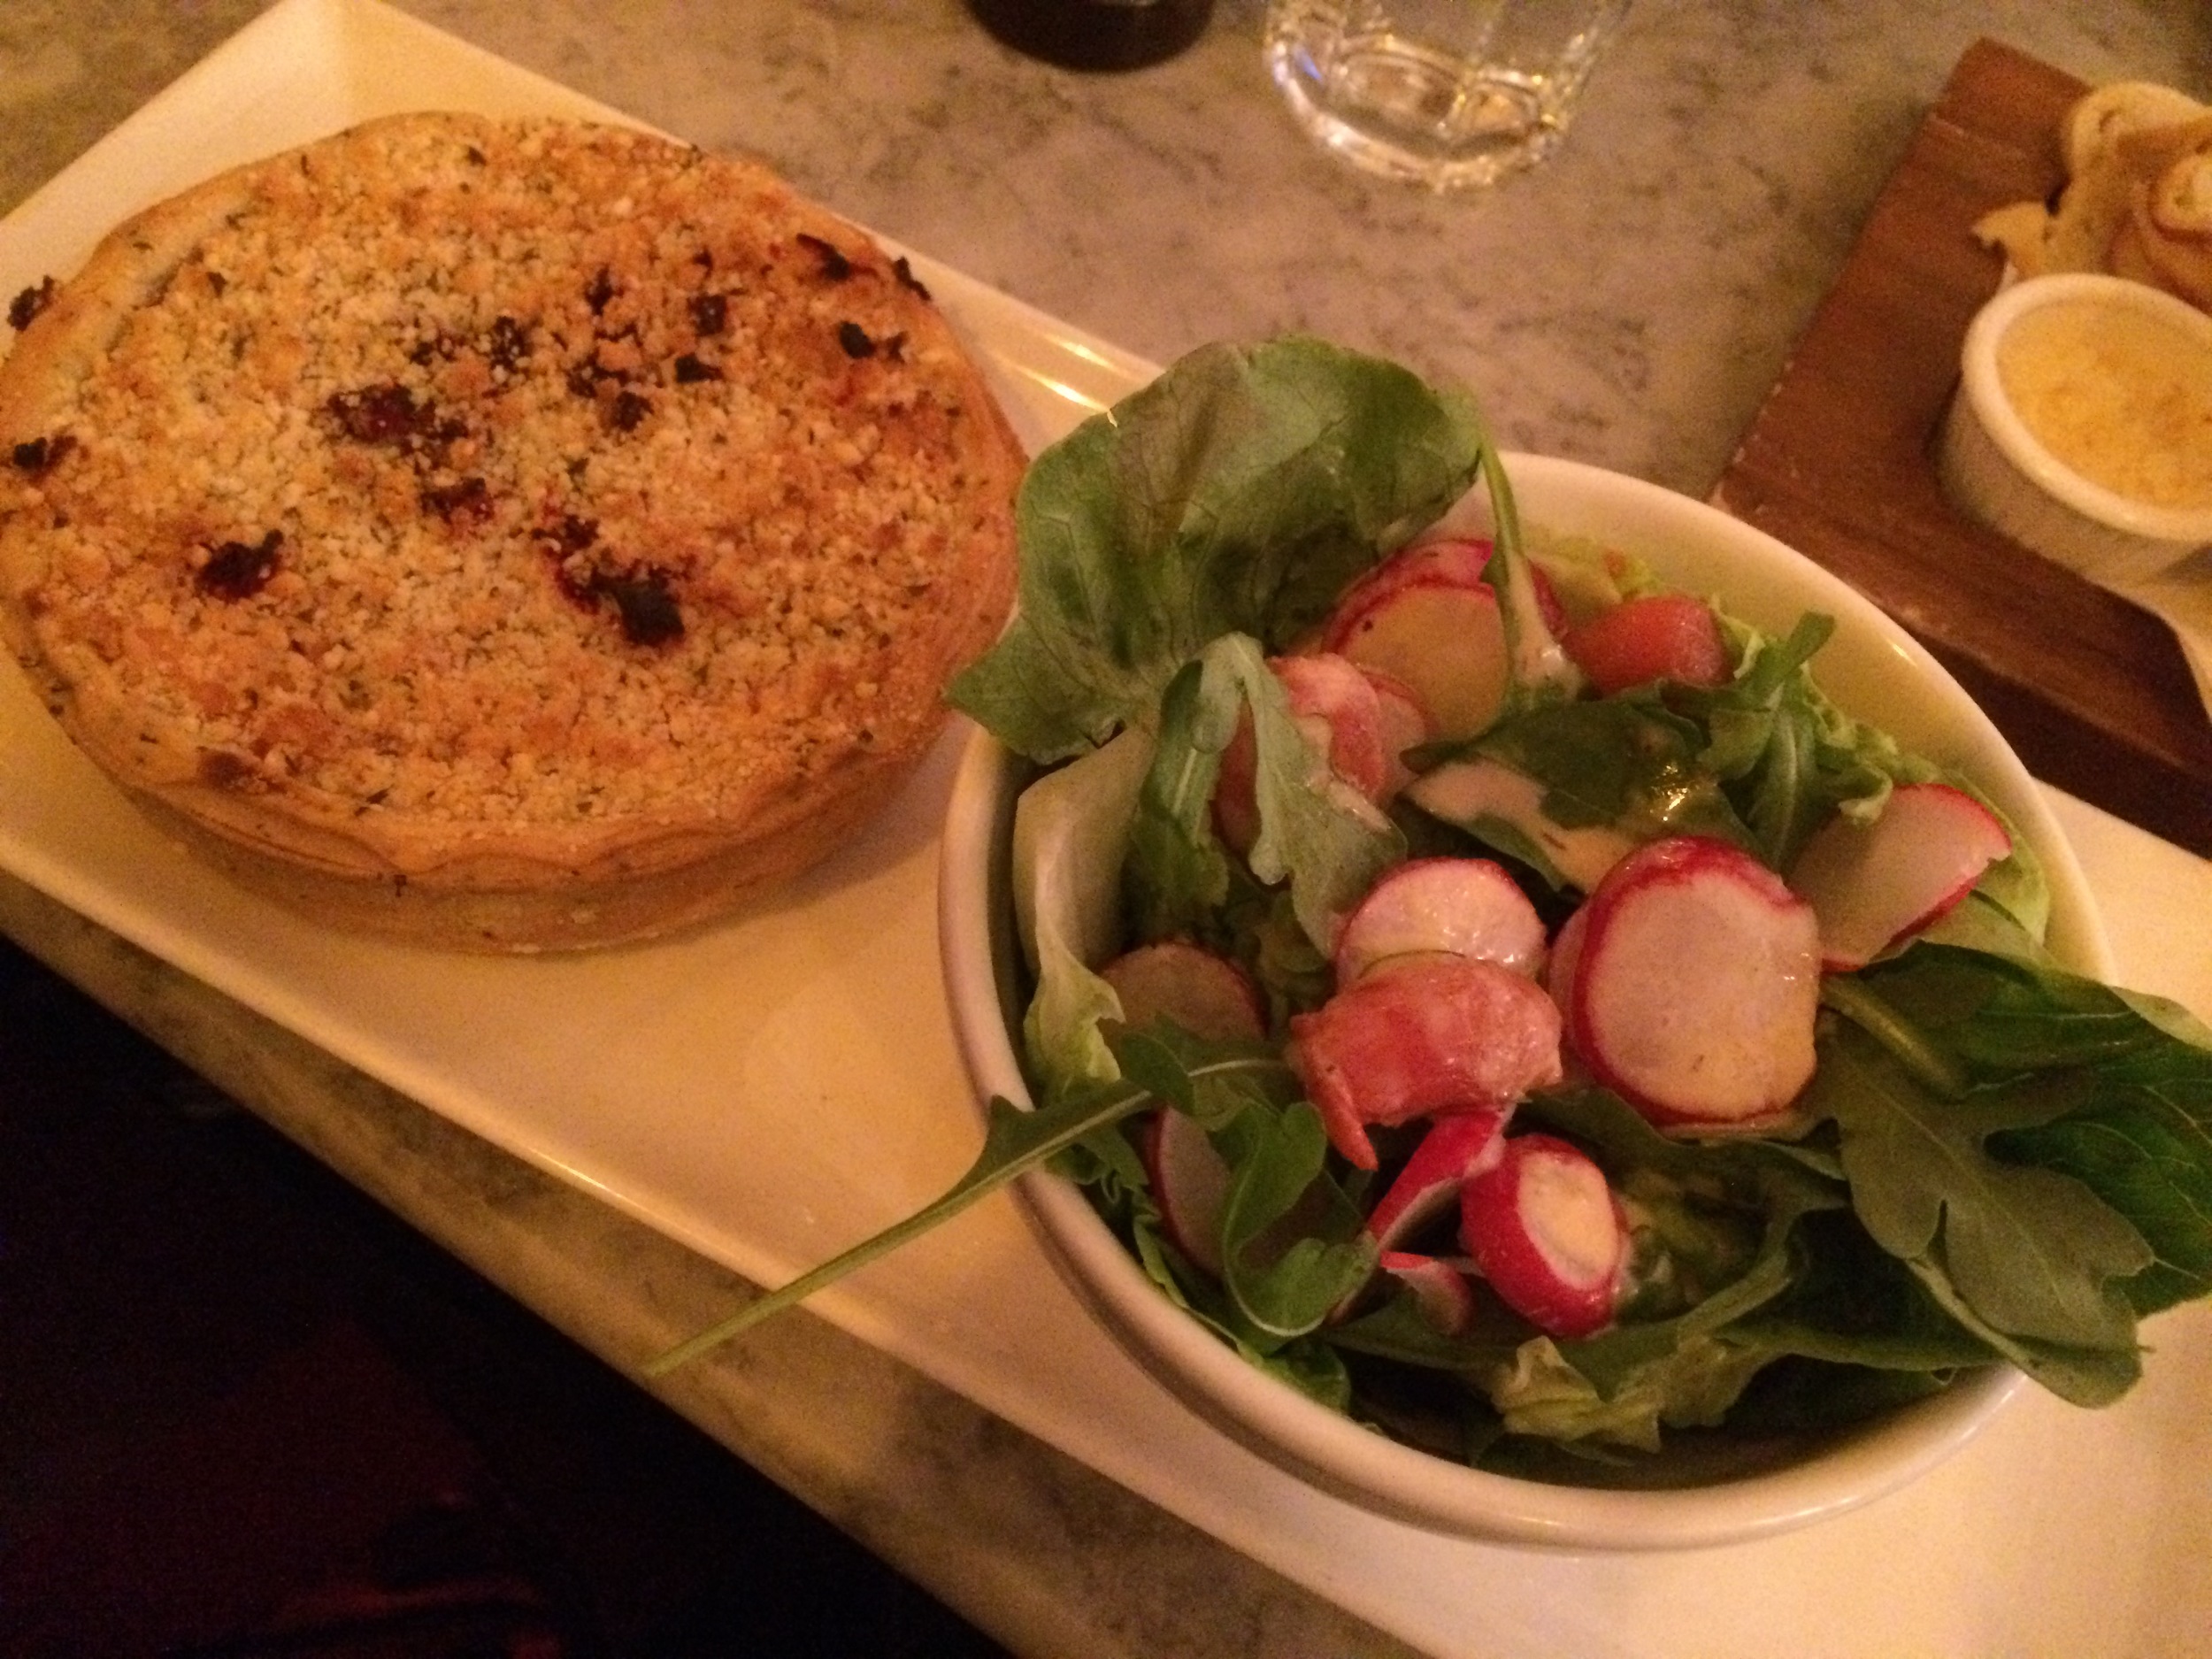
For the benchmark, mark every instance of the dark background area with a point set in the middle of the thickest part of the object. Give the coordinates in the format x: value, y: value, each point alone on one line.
x: 245, y: 1411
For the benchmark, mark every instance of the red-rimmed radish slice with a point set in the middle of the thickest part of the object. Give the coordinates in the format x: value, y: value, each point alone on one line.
x: 1438, y: 1035
x: 1462, y: 558
x: 1457, y: 1145
x: 1339, y: 710
x: 1653, y: 636
x: 1443, y: 639
x: 1689, y: 982
x: 1425, y: 617
x: 1440, y: 1290
x: 1872, y: 885
x: 1206, y: 994
x: 1564, y: 958
x: 1236, y: 803
x: 1190, y: 1183
x: 1458, y: 906
x: 1448, y: 558
x: 1405, y: 724
x: 1544, y: 1227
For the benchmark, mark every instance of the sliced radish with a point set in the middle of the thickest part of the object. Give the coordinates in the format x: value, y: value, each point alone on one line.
x: 1427, y: 618
x: 1405, y: 724
x: 1440, y: 1290
x: 1439, y: 1034
x: 1456, y: 1145
x: 1447, y: 558
x: 1459, y: 1145
x: 1872, y: 885
x: 1689, y: 982
x: 1341, y: 713
x: 1236, y: 802
x: 1470, y: 793
x: 1545, y: 1229
x: 1445, y: 640
x: 1456, y: 557
x: 1459, y: 907
x: 1566, y: 957
x: 1430, y: 622
x: 1207, y: 994
x: 1190, y: 1183
x: 1654, y: 636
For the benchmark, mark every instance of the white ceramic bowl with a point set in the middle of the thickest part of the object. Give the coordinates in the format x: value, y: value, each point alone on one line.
x: 1996, y: 469
x: 1875, y: 671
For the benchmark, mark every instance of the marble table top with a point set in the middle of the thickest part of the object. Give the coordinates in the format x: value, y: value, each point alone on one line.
x: 1629, y: 304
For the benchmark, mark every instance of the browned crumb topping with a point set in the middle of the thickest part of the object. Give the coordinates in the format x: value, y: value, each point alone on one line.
x: 28, y: 302
x: 835, y: 266
x: 535, y: 474
x: 239, y: 571
x: 40, y: 456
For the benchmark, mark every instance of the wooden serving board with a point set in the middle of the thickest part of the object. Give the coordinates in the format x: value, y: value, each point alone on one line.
x: 2091, y: 691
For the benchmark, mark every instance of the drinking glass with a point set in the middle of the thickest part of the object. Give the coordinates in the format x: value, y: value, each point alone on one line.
x: 1444, y: 93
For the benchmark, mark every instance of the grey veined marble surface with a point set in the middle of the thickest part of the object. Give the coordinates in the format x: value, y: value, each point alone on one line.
x: 1630, y: 303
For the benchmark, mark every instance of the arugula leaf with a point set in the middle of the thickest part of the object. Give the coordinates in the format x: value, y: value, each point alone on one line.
x: 1798, y: 1396
x: 1539, y: 670
x: 1237, y: 493
x: 2120, y: 1082
x: 2082, y: 1376
x: 2144, y: 1145
x: 1788, y: 756
x: 1178, y: 877
x: 1216, y: 1077
x: 1242, y: 1106
x: 1852, y: 1304
x: 1317, y: 832
x: 2028, y: 1255
x: 1624, y: 762
x: 1396, y: 1329
x: 1293, y: 972
x: 1211, y: 1081
x: 1294, y: 1243
x: 1014, y: 1141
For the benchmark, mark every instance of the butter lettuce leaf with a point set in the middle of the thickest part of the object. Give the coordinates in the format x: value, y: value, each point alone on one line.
x: 1237, y: 493
x: 1071, y: 829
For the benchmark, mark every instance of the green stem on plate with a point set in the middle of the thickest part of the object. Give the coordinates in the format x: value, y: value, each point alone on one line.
x: 1015, y: 1142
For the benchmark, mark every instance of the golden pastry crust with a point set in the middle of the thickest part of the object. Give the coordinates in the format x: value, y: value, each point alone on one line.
x: 515, y: 534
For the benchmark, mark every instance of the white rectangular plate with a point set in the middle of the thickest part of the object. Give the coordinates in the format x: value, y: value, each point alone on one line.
x: 771, y: 1090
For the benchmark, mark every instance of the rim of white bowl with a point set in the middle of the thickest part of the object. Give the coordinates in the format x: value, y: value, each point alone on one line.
x: 1333, y: 1451
x: 2186, y: 527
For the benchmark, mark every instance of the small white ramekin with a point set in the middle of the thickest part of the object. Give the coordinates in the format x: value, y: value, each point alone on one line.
x: 1995, y: 469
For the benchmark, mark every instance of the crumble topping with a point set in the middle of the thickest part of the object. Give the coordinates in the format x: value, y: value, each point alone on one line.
x: 515, y: 472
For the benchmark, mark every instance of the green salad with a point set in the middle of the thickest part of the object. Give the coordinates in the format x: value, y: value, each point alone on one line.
x: 1498, y: 1172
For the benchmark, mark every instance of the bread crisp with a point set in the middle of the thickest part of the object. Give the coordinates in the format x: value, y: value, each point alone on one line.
x: 507, y: 534
x: 2137, y: 198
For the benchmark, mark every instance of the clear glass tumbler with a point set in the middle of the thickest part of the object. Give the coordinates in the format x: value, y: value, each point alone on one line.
x: 1444, y: 93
